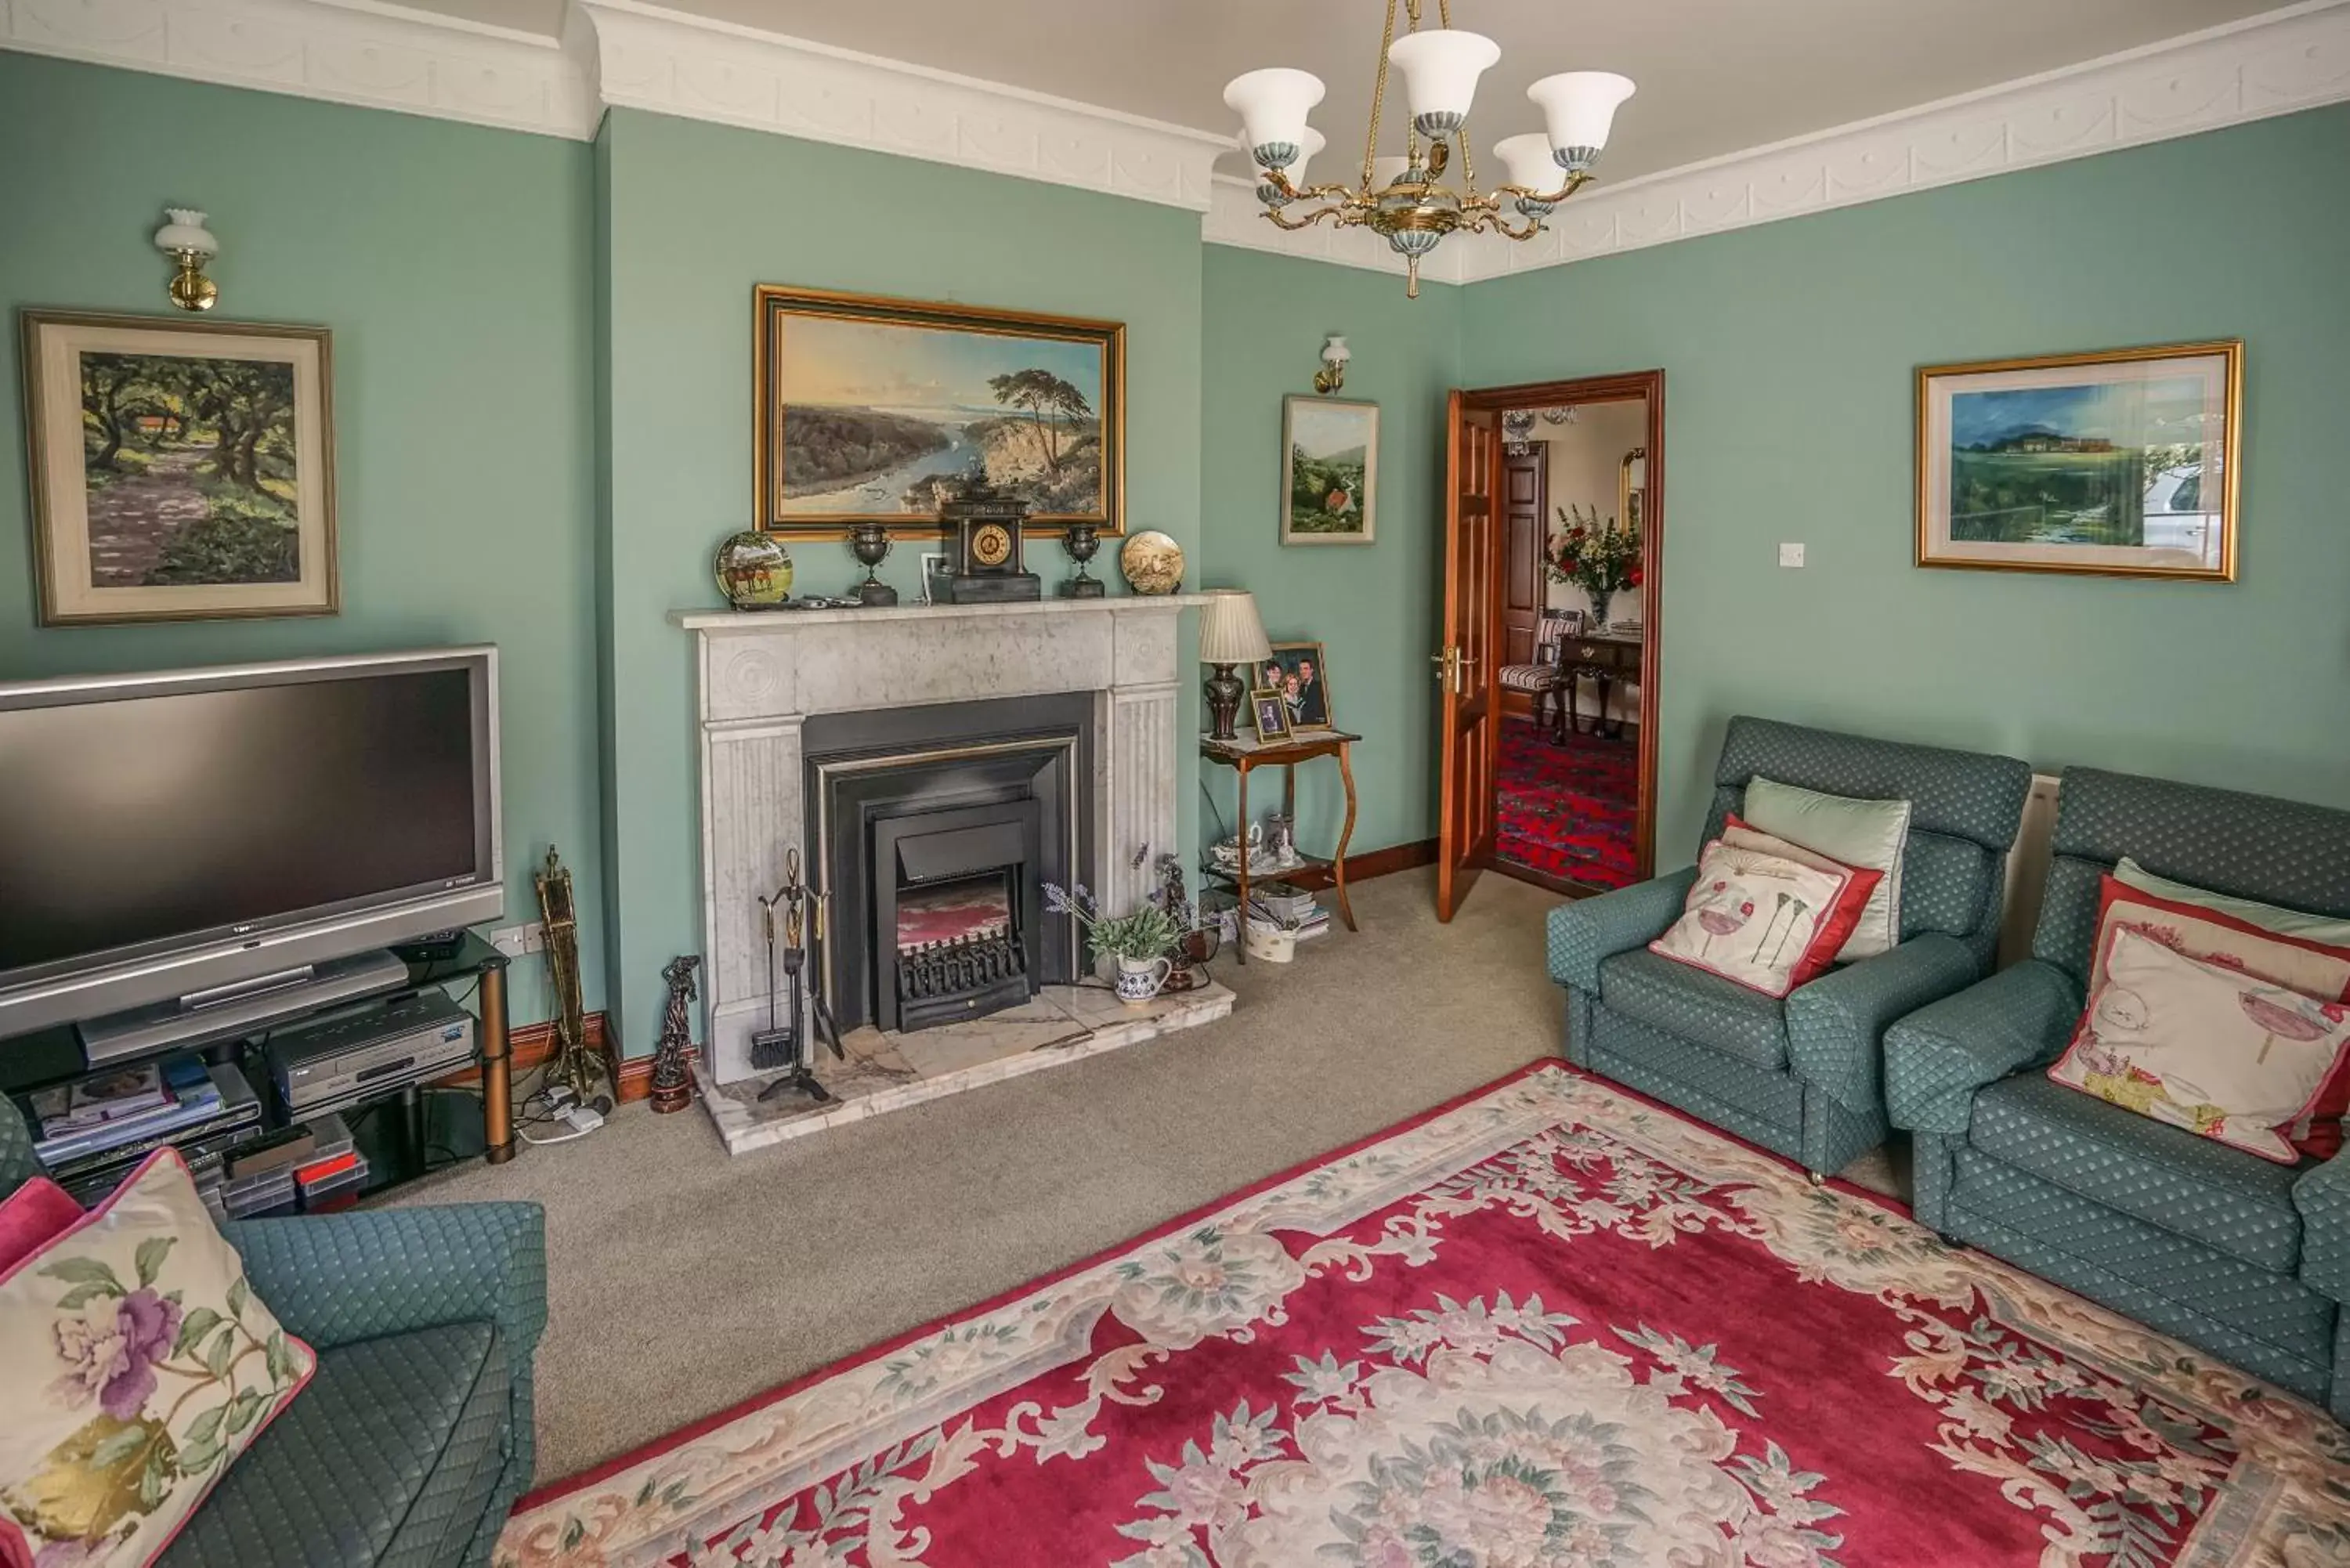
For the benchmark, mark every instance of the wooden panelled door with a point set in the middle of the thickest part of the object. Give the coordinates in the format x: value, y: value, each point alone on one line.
x: 1466, y: 666
x: 1525, y: 494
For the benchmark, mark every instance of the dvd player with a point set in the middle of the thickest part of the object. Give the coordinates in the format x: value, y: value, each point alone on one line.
x: 322, y: 1066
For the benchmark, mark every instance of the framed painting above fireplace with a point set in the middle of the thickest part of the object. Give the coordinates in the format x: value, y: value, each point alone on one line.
x: 870, y: 408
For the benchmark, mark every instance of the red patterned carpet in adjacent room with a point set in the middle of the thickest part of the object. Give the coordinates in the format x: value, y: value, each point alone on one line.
x: 1567, y: 810
x: 1551, y: 1325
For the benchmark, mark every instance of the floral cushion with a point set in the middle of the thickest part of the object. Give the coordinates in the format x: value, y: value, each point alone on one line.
x: 140, y: 1365
x: 1766, y: 921
x: 2205, y: 1046
x: 2322, y: 929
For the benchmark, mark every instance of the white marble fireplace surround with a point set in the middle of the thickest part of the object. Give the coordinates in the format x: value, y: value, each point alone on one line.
x: 759, y: 676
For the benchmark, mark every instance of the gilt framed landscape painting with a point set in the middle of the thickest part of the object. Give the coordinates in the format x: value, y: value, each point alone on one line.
x: 874, y: 409
x: 182, y: 470
x: 1329, y: 471
x: 2122, y: 463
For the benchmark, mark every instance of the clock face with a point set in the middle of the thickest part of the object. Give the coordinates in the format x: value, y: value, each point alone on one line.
x: 992, y: 545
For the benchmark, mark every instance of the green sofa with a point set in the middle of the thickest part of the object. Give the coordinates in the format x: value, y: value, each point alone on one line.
x: 2246, y: 1258
x: 414, y: 1438
x: 1798, y: 1077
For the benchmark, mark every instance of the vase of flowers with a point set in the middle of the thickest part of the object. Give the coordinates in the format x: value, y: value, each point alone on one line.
x: 1601, y: 559
x: 1143, y: 943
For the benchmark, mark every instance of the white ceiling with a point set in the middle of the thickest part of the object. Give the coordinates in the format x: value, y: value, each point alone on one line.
x: 1715, y: 75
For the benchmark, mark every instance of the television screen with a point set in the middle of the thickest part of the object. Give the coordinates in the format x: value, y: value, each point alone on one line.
x: 129, y: 821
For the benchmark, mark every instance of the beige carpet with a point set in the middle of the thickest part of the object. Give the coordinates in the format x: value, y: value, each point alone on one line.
x: 681, y: 1282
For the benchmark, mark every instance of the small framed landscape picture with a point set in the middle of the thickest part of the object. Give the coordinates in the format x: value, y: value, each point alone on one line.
x: 1329, y: 471
x: 182, y: 470
x: 1271, y: 712
x: 1299, y: 674
x: 2122, y: 463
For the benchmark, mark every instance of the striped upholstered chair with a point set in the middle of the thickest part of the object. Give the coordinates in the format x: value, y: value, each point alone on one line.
x: 1542, y: 679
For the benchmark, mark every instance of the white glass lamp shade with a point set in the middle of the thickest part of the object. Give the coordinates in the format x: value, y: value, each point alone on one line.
x: 1335, y: 350
x: 1440, y: 67
x: 185, y: 232
x: 1230, y: 631
x: 1579, y: 106
x: 1272, y: 104
x: 1527, y: 161
x: 1386, y: 171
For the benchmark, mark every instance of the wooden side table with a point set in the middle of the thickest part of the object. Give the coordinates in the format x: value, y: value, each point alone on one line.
x: 1244, y: 754
x: 1607, y: 658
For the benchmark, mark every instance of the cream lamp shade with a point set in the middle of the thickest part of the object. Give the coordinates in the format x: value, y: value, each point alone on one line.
x: 1230, y: 631
x: 1579, y: 108
x: 1440, y: 67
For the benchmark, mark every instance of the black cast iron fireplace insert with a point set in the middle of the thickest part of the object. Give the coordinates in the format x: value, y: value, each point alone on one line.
x: 935, y: 829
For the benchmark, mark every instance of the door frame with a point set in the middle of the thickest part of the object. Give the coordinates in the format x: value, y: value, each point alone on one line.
x: 1648, y: 384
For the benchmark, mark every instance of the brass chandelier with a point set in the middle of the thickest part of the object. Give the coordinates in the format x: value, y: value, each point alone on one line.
x: 1405, y: 199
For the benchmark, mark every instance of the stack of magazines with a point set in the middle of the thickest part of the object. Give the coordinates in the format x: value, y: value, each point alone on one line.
x: 95, y: 1131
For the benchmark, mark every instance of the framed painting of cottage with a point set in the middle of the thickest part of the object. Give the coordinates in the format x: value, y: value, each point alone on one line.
x: 180, y: 469
x: 2122, y: 463
x: 1329, y: 471
x: 873, y: 409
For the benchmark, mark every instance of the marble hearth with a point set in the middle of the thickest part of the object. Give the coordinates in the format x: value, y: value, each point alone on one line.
x: 760, y: 677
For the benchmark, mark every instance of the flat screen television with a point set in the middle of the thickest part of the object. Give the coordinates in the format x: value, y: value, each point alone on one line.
x: 168, y: 837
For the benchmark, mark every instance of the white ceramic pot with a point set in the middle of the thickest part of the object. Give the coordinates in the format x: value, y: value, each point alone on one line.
x: 1270, y: 942
x: 1139, y: 979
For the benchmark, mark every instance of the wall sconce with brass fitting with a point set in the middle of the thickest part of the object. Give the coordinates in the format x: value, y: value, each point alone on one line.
x: 1332, y: 373
x: 189, y: 244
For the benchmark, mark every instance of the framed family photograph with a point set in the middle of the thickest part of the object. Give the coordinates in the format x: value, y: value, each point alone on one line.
x: 1299, y: 674
x: 1329, y: 471
x: 2122, y: 462
x: 1271, y: 713
x: 875, y: 410
x: 180, y: 469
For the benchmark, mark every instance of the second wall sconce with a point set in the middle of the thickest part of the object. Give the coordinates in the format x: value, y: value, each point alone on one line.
x: 191, y: 244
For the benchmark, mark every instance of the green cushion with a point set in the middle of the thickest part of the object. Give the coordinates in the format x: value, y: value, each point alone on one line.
x: 1696, y: 1005
x: 387, y: 1459
x: 2166, y: 1176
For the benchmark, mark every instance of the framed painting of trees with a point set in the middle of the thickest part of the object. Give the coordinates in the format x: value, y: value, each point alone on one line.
x: 182, y: 470
x: 873, y: 409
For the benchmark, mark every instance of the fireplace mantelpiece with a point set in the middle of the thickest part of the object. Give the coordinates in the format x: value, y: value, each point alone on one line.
x: 759, y: 676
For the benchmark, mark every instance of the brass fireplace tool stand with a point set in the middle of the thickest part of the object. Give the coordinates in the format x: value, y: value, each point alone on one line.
x: 780, y: 1043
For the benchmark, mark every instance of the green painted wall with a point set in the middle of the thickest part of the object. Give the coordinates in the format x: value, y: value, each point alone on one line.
x: 452, y: 263
x: 692, y: 216
x: 1788, y: 350
x: 1373, y: 607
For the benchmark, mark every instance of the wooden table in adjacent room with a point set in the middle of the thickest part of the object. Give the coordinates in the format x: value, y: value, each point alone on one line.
x: 1246, y: 753
x: 1608, y: 657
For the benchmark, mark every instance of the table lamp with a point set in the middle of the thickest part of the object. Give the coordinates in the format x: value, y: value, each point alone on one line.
x: 1229, y: 634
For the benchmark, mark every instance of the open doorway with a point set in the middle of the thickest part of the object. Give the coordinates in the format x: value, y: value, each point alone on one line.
x: 1553, y: 546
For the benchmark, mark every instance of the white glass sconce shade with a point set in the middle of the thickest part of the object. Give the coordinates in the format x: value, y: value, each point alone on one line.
x: 1527, y: 161
x: 185, y: 232
x: 1440, y: 67
x: 1272, y: 104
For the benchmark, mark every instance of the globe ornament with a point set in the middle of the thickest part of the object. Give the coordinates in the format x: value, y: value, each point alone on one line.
x: 754, y: 570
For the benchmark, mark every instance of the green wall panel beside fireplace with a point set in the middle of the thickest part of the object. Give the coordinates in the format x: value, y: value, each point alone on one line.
x: 452, y: 265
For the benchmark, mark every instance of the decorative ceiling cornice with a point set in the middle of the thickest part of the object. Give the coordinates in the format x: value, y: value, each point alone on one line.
x: 2272, y: 64
x: 628, y: 53
x: 378, y: 56
x: 643, y: 57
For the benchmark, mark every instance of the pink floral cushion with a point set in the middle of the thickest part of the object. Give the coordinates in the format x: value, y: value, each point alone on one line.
x: 1765, y: 921
x: 140, y: 1365
x: 2203, y: 1046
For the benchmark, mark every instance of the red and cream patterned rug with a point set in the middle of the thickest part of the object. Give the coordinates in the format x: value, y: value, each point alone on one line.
x: 1548, y: 1326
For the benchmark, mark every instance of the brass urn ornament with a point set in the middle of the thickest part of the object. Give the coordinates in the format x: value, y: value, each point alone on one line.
x: 188, y: 242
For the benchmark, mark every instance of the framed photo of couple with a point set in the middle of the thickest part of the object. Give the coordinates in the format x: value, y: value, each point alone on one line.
x: 1299, y: 677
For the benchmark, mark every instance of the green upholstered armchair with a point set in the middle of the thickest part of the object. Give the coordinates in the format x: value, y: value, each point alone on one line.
x: 1800, y: 1077
x: 2249, y: 1258
x: 414, y: 1438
